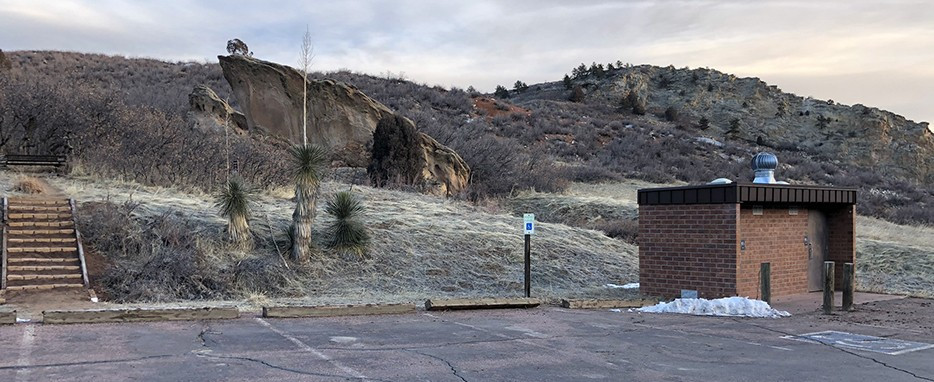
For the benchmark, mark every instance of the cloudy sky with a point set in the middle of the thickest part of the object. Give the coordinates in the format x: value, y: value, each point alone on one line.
x: 871, y: 52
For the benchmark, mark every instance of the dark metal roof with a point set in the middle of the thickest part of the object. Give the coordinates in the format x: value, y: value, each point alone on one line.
x: 747, y: 193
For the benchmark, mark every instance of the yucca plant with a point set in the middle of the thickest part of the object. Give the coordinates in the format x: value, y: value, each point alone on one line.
x: 234, y: 203
x: 309, y: 163
x: 347, y: 233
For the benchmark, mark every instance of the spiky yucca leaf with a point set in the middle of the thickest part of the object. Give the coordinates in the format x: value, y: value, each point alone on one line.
x: 347, y: 232
x: 309, y: 164
x: 234, y: 204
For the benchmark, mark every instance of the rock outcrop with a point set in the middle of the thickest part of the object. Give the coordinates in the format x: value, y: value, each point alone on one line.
x: 856, y: 134
x: 210, y: 113
x: 340, y: 118
x: 403, y: 155
x: 444, y: 172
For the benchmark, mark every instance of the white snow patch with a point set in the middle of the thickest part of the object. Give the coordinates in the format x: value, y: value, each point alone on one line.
x: 616, y: 310
x: 22, y: 320
x: 709, y: 141
x: 624, y: 286
x: 729, y: 306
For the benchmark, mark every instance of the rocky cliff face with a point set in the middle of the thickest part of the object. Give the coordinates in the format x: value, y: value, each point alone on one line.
x: 764, y: 114
x: 340, y: 118
x: 210, y: 113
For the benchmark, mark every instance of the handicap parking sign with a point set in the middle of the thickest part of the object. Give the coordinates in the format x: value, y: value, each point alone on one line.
x: 529, y: 223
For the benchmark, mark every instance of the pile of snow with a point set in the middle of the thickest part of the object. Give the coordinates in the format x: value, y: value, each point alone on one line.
x: 729, y: 306
x: 625, y: 286
x: 709, y: 141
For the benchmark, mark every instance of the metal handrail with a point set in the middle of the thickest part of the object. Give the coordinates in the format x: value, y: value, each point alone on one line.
x: 84, y: 268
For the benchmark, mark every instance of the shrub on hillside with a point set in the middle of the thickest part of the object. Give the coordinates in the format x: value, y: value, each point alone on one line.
x: 170, y: 257
x: 397, y: 155
x: 111, y: 139
x: 5, y: 63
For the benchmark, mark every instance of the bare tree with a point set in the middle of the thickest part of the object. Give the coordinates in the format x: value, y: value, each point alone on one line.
x: 304, y: 62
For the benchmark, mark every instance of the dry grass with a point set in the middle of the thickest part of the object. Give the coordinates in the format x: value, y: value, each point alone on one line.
x: 425, y: 246
x: 422, y: 246
x: 31, y: 186
x: 892, y: 258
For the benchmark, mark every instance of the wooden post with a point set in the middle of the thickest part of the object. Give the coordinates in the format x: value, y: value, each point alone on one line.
x: 828, y: 286
x: 528, y: 265
x: 765, y: 282
x: 849, y: 285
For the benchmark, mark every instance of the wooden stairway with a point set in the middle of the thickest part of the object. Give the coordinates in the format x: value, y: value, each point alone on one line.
x: 41, y: 245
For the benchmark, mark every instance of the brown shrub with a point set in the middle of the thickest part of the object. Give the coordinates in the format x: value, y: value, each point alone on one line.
x: 31, y: 185
x: 171, y: 257
x: 624, y: 229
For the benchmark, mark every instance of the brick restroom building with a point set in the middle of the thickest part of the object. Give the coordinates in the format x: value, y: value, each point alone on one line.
x: 712, y: 238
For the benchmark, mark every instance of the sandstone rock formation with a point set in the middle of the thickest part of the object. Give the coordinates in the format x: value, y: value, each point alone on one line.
x: 405, y: 156
x: 444, y: 173
x: 340, y: 118
x: 208, y: 112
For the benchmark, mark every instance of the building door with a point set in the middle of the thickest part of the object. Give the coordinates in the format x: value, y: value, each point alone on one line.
x: 816, y: 243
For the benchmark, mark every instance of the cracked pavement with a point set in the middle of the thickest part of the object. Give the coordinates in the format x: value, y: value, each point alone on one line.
x: 543, y: 344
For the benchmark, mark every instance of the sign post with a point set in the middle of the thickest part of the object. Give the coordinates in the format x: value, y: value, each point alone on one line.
x: 529, y: 225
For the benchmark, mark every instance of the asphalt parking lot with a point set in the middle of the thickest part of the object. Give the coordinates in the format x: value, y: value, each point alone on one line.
x: 542, y: 344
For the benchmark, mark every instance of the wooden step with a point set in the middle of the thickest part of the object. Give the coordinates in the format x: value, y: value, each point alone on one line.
x: 17, y: 240
x: 39, y: 268
x: 42, y: 224
x: 36, y: 202
x: 44, y: 260
x: 42, y: 287
x: 40, y: 249
x: 21, y: 216
x: 33, y: 231
x: 36, y: 209
x: 11, y: 277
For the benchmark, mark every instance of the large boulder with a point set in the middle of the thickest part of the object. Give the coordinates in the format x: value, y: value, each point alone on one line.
x: 208, y: 112
x: 402, y: 155
x: 340, y: 118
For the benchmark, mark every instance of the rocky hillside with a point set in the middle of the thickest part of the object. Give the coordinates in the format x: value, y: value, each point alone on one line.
x: 536, y: 138
x: 748, y: 109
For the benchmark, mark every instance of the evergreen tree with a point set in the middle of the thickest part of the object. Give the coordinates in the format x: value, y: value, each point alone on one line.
x: 501, y: 92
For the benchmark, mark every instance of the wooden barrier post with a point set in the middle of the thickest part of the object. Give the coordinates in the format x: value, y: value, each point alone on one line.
x: 849, y: 285
x: 828, y: 287
x: 765, y: 282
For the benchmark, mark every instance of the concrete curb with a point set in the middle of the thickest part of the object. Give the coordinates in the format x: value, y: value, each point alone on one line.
x: 481, y: 303
x: 7, y: 317
x: 608, y: 304
x: 90, y: 316
x: 294, y: 311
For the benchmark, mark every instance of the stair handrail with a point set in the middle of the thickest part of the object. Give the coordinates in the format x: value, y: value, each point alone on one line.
x: 74, y: 218
x: 4, y: 264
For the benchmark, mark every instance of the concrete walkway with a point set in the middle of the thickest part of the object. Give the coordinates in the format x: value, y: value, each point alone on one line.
x: 543, y: 344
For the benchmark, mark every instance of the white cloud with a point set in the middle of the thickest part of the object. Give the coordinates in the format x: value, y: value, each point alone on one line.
x: 861, y: 51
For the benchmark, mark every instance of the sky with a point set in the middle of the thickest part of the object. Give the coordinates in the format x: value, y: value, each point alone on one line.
x: 878, y: 53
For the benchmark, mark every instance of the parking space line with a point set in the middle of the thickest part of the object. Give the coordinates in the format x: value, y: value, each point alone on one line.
x: 25, y: 352
x: 316, y: 352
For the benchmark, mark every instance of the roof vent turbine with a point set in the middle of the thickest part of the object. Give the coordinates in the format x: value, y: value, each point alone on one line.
x: 764, y: 165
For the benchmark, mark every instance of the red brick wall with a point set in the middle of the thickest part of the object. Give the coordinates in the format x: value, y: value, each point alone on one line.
x: 841, y: 240
x: 775, y: 237
x: 688, y: 247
